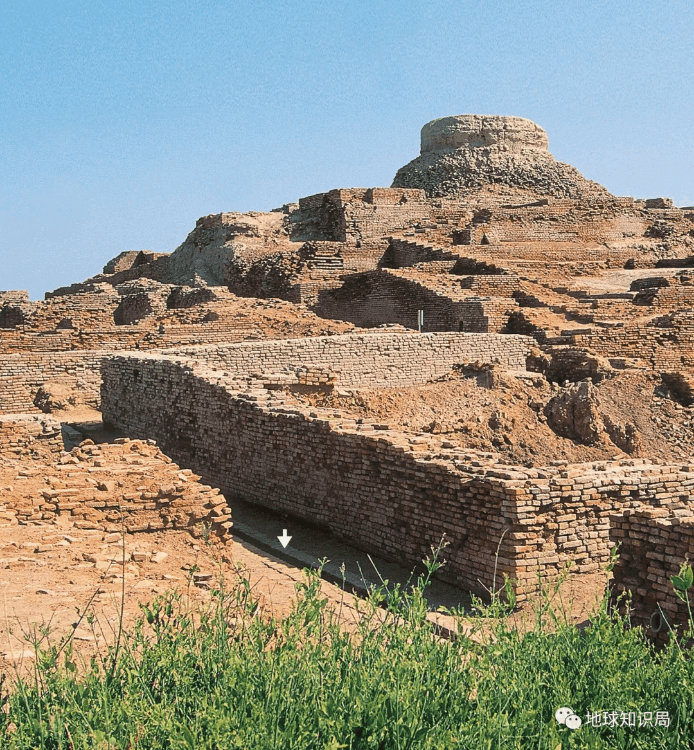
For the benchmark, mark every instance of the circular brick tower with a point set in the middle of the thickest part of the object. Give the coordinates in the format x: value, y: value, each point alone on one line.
x: 465, y: 153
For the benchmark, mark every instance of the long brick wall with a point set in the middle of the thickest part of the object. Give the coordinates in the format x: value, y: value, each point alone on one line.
x: 366, y: 359
x: 391, y: 493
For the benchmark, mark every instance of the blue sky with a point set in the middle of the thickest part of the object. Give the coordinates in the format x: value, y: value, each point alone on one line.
x: 123, y: 122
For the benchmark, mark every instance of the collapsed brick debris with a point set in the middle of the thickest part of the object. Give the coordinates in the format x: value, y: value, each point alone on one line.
x: 130, y: 484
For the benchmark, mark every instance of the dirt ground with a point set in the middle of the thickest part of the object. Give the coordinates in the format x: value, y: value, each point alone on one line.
x: 63, y: 579
x: 46, y: 595
x: 509, y: 418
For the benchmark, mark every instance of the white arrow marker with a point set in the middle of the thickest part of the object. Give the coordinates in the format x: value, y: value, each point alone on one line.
x: 284, y: 539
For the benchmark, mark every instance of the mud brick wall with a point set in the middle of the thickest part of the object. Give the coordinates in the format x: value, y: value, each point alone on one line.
x: 21, y: 375
x: 367, y: 257
x: 20, y: 434
x: 311, y: 202
x: 568, y: 510
x: 484, y: 314
x: 366, y: 359
x: 379, y: 297
x: 503, y: 285
x: 74, y: 357
x: 403, y: 253
x: 665, y: 344
x: 14, y: 297
x: 674, y: 295
x: 360, y: 214
x: 384, y: 491
x: 308, y: 292
x: 552, y: 223
x: 542, y: 252
x: 356, y: 214
x: 654, y: 542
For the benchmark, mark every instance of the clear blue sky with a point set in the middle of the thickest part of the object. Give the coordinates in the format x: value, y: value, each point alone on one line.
x: 123, y: 122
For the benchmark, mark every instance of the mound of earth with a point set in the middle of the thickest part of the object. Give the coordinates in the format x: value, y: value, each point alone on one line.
x: 510, y: 416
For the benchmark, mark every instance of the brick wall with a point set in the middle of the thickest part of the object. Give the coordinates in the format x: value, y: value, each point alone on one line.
x: 449, y: 302
x: 22, y: 374
x: 654, y: 542
x: 665, y: 344
x: 14, y: 297
x: 365, y: 359
x: 390, y: 493
x: 403, y: 253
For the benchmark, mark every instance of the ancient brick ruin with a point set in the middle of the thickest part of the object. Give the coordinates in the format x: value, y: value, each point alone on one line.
x: 568, y: 309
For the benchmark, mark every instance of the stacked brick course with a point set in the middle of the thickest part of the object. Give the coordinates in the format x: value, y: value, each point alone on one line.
x: 364, y: 359
x: 20, y: 434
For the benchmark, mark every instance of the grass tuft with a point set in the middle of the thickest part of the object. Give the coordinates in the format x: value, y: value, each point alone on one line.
x: 225, y: 677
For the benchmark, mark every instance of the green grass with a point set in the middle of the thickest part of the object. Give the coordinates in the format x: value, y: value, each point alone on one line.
x: 230, y: 679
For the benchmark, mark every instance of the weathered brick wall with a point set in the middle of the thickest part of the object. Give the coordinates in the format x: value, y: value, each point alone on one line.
x: 654, y: 542
x: 674, y: 295
x: 34, y: 359
x: 21, y: 375
x: 376, y: 298
x: 665, y: 344
x: 569, y: 509
x: 358, y: 214
x: 449, y: 302
x: 382, y: 491
x: 403, y: 253
x: 14, y: 297
x: 385, y: 491
x: 503, y: 285
x: 365, y: 359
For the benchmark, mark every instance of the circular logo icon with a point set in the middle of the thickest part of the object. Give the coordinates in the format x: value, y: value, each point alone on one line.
x: 573, y: 721
x: 567, y: 717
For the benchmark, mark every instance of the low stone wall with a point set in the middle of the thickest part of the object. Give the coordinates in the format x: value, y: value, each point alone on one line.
x: 384, y: 491
x: 654, y: 542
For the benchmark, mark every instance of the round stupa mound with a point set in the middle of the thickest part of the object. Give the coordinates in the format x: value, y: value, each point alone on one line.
x: 479, y: 131
x: 466, y: 153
